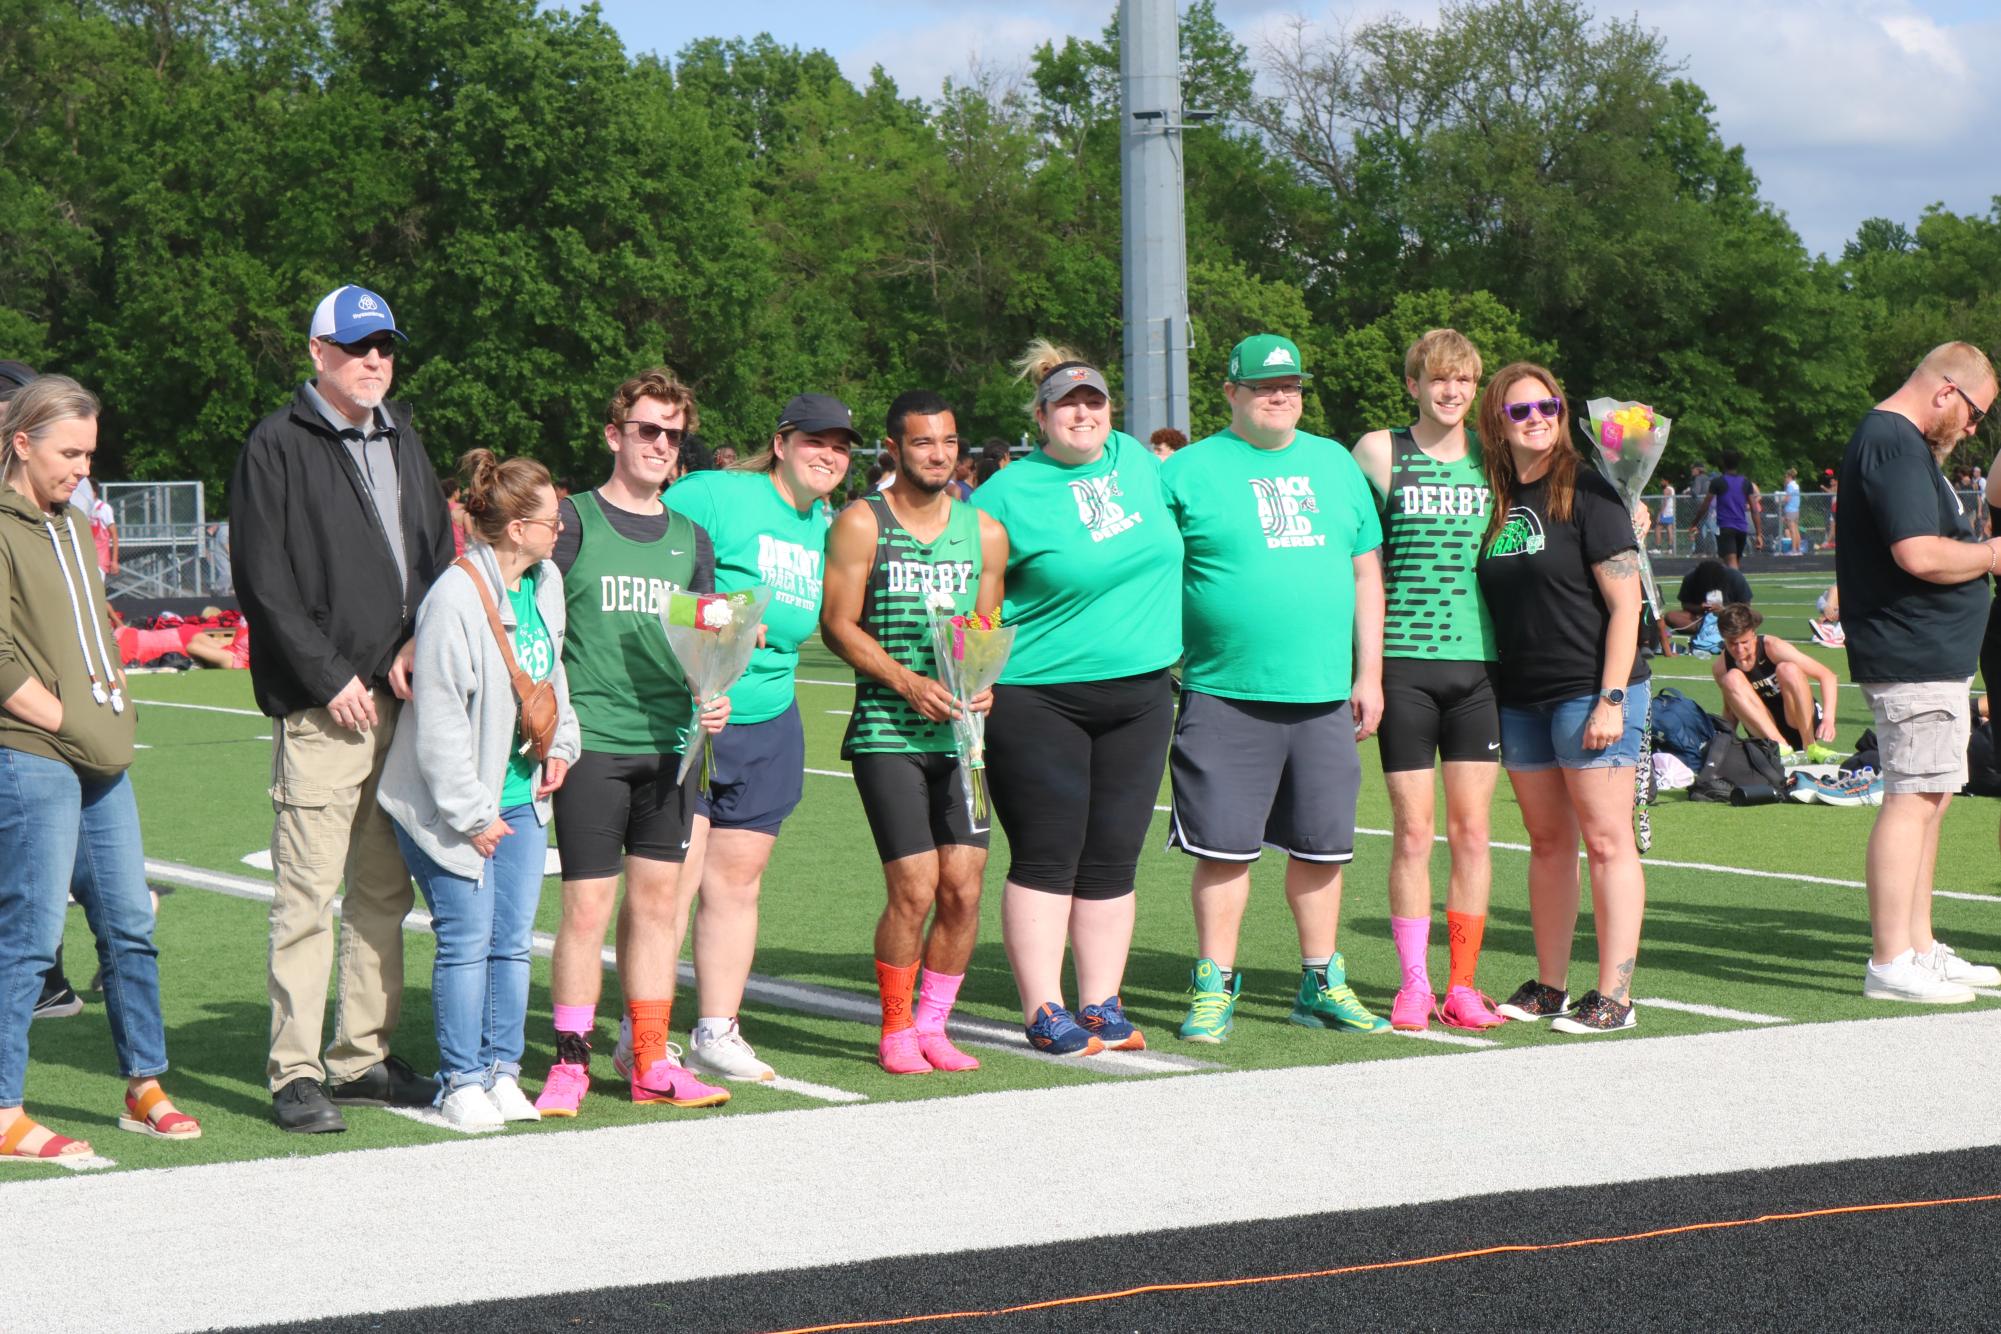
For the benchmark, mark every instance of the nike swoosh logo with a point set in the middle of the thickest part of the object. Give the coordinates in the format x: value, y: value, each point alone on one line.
x: 674, y: 551
x: 1493, y: 745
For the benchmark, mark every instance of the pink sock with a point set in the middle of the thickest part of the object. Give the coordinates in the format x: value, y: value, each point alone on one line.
x: 935, y: 995
x: 576, y: 1019
x: 1413, y: 939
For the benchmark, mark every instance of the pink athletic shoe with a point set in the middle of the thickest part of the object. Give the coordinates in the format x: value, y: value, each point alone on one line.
x: 1465, y: 1007
x: 900, y: 1054
x: 938, y: 1050
x: 1411, y: 1011
x: 563, y: 1091
x: 668, y: 1081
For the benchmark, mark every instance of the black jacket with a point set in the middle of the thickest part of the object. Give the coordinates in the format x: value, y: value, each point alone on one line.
x: 312, y: 564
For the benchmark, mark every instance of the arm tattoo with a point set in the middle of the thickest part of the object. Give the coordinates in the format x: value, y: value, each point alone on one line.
x: 1621, y: 565
x: 1624, y: 991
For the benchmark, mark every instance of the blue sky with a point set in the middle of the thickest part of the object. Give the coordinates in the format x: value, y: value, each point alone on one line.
x: 1847, y: 109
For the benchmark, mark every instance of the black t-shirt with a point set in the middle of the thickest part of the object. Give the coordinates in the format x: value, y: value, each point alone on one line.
x: 1901, y: 627
x: 1712, y: 576
x: 1549, y: 617
x: 636, y: 528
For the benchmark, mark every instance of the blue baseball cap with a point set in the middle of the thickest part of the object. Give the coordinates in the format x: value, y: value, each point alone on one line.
x: 349, y: 314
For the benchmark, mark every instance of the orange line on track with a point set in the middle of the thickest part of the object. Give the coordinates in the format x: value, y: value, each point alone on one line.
x: 1210, y: 1285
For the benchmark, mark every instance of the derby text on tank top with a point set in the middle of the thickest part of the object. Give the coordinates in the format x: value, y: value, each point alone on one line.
x: 1433, y: 519
x: 627, y: 688
x: 906, y: 574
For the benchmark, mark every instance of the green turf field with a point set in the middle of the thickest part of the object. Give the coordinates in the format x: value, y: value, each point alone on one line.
x: 1768, y: 946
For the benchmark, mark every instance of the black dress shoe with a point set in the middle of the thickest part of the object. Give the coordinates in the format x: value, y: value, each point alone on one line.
x: 391, y: 1083
x: 302, y: 1108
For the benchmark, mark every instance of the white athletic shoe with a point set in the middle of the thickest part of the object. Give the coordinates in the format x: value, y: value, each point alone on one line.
x: 1907, y: 980
x: 1945, y: 964
x: 730, y: 1056
x: 468, y: 1108
x: 511, y: 1102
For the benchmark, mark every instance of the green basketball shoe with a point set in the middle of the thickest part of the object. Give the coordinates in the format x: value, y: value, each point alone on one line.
x: 1329, y: 1002
x: 1212, y: 1006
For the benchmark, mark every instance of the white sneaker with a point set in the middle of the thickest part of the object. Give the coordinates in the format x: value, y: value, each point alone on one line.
x: 510, y: 1101
x: 468, y: 1108
x: 1906, y: 980
x: 1944, y: 963
x: 731, y: 1057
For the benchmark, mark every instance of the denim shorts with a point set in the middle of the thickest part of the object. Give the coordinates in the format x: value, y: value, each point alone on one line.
x: 1548, y: 736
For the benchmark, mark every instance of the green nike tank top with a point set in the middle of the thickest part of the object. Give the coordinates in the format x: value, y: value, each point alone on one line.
x: 905, y: 576
x: 1433, y: 517
x: 627, y: 688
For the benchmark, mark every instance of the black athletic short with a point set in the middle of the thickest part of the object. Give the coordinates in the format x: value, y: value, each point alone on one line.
x: 915, y: 803
x: 1074, y: 770
x: 1732, y: 542
x: 759, y: 774
x: 1436, y: 710
x: 614, y: 806
x: 1250, y: 774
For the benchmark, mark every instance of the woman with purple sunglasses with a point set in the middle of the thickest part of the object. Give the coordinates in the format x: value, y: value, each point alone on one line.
x: 1560, y: 570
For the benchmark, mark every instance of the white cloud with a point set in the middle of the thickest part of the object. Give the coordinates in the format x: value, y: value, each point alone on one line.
x: 920, y: 59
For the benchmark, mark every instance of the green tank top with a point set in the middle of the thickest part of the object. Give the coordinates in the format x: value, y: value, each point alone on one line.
x: 905, y: 576
x: 625, y: 685
x: 1433, y: 518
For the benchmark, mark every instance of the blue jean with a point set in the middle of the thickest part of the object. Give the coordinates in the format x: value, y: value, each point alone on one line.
x: 64, y: 833
x: 479, y: 983
x: 1548, y: 736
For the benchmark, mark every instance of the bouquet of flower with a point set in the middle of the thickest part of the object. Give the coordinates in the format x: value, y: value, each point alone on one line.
x: 970, y: 652
x: 712, y: 636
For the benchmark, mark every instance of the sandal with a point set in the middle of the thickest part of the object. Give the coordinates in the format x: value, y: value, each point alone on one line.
x: 57, y: 1147
x: 146, y: 1117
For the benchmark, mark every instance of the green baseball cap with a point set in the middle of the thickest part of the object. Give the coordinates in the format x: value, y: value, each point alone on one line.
x: 1265, y: 357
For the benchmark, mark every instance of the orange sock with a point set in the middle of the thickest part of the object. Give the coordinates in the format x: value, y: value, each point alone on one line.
x: 1465, y: 930
x: 649, y: 1031
x: 896, y: 984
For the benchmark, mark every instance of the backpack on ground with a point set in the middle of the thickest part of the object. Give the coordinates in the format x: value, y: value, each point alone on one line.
x: 1733, y: 765
x: 1681, y: 727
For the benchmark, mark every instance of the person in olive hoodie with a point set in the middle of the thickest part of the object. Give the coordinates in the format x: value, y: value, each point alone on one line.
x: 338, y: 530
x: 68, y: 821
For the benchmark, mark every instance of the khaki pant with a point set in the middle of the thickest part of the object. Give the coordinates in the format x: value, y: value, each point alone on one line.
x: 329, y: 828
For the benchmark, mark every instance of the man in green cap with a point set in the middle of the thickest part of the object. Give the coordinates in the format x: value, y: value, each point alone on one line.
x: 1282, y: 618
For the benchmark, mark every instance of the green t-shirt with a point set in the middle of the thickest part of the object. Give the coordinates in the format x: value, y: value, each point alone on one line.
x: 1433, y: 519
x: 1268, y: 592
x: 536, y: 654
x: 1094, y: 566
x: 761, y: 539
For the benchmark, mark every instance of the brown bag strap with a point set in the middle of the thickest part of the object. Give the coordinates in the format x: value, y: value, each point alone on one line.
x: 523, y: 686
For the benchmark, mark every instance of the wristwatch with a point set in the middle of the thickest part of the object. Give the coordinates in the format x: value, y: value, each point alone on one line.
x: 1615, y: 697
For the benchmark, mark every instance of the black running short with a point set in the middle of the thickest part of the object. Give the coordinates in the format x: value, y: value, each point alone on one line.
x: 1074, y: 770
x: 614, y: 806
x: 1436, y: 710
x: 759, y: 774
x: 915, y: 803
x: 1732, y: 542
x: 1250, y: 775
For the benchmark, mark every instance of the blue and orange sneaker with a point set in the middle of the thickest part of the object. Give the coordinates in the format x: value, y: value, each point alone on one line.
x: 1107, y: 1022
x: 1056, y: 1033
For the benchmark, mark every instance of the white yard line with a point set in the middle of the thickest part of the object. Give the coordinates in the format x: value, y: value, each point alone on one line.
x: 1712, y: 1011
x: 1447, y: 1039
x: 823, y: 1092
x: 199, y: 708
x: 432, y: 1117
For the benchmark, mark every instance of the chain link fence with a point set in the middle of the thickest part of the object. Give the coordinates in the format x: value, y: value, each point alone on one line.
x: 1813, y: 528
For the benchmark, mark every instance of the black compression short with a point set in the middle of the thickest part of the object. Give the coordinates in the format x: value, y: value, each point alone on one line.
x: 915, y: 803
x: 612, y: 806
x: 1436, y: 710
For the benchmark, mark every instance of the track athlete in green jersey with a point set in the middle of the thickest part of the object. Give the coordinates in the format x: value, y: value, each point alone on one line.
x: 888, y: 556
x: 1438, y: 664
x: 620, y: 809
x: 769, y: 521
x: 1282, y: 615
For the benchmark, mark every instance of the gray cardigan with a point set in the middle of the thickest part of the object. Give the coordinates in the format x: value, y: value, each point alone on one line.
x: 448, y: 759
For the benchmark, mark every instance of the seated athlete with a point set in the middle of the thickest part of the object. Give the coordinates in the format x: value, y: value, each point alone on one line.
x: 1706, y: 588
x: 1826, y: 622
x: 1767, y: 685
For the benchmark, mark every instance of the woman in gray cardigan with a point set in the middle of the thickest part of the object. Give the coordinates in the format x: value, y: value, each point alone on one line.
x: 470, y: 802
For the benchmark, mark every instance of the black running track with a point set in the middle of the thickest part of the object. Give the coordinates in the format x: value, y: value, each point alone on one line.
x: 1936, y: 1267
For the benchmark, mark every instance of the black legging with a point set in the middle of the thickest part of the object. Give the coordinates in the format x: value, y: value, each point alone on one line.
x: 1074, y: 770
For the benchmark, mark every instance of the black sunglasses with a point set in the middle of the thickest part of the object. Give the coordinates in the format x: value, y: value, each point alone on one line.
x: 649, y: 432
x: 1551, y: 408
x: 383, y: 344
x: 1979, y: 414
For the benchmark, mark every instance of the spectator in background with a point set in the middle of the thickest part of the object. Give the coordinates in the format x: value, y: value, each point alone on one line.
x: 1833, y: 506
x: 1705, y: 590
x: 1733, y: 499
x: 961, y: 485
x: 450, y: 486
x: 1165, y: 441
x: 1703, y: 527
x: 1790, y: 509
x: 1664, y: 530
x: 725, y: 456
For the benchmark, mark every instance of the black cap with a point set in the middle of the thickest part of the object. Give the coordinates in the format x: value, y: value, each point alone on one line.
x: 13, y: 375
x: 812, y: 413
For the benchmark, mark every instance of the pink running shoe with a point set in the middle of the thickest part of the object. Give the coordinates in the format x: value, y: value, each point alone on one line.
x: 668, y: 1081
x: 900, y: 1054
x: 1465, y: 1007
x: 569, y: 1078
x: 1411, y: 1011
x: 938, y: 1050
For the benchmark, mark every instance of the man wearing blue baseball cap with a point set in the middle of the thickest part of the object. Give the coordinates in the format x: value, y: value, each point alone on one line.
x: 338, y: 528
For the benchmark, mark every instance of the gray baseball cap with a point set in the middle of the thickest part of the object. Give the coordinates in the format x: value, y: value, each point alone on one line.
x: 1067, y: 379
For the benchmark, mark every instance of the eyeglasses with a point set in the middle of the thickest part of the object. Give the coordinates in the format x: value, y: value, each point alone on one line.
x: 1551, y: 408
x: 382, y: 343
x: 1266, y: 389
x: 649, y: 432
x: 554, y: 522
x: 1977, y: 414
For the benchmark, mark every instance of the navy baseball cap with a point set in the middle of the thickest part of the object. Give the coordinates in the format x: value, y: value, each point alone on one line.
x: 813, y: 413
x: 14, y: 375
x: 349, y: 314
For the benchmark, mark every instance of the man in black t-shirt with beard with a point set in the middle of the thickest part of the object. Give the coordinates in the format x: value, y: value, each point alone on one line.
x: 1914, y: 602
